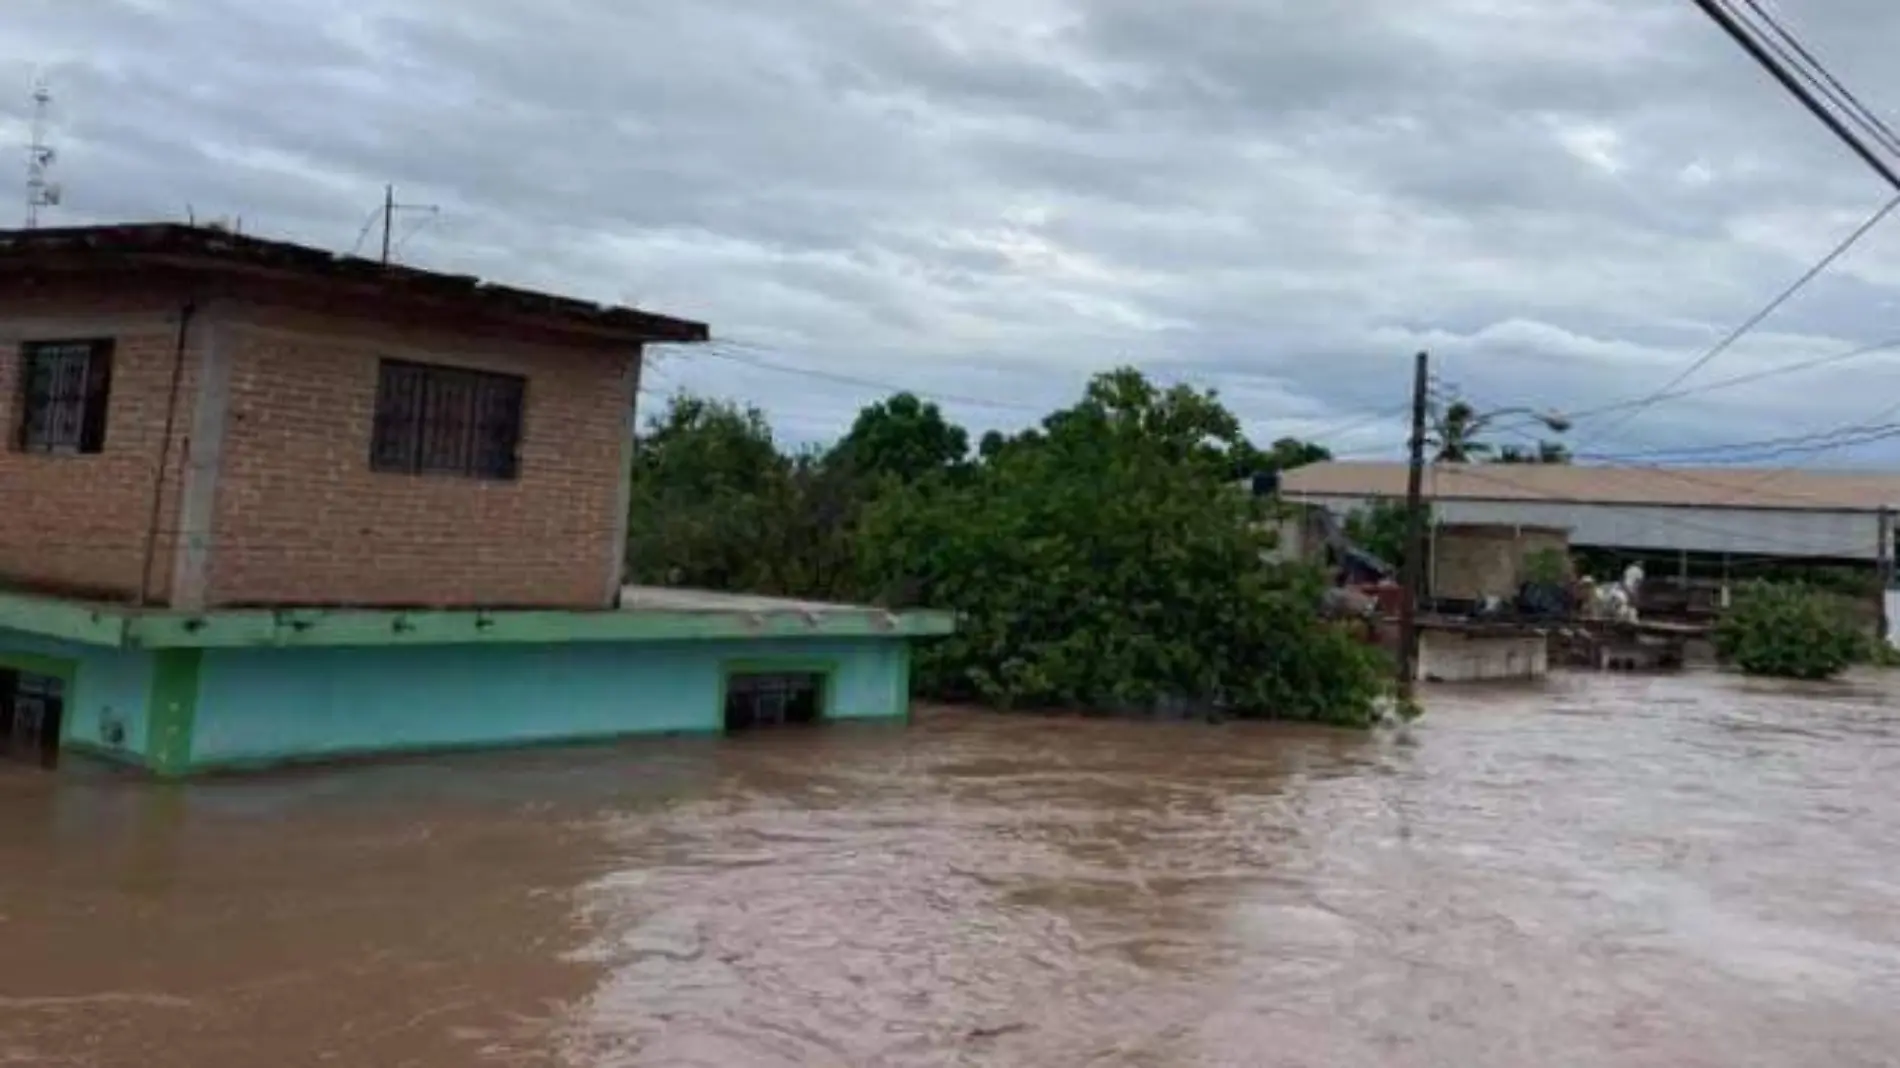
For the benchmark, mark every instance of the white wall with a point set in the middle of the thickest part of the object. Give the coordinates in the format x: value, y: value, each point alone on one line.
x: 1741, y: 531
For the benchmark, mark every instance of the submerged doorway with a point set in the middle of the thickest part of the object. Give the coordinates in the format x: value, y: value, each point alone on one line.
x: 756, y: 699
x: 32, y: 713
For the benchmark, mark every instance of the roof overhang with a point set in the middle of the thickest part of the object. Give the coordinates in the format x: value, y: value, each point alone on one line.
x: 48, y: 257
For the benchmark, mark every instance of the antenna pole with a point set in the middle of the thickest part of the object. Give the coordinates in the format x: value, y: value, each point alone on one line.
x: 40, y: 193
x: 389, y: 215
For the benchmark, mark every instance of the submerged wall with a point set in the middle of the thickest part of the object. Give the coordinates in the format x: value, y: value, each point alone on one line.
x: 261, y: 706
x: 1449, y: 656
x: 108, y: 691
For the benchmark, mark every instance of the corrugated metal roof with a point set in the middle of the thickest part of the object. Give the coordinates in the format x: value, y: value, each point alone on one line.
x: 1680, y: 487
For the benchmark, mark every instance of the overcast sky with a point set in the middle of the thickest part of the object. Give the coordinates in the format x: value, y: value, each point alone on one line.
x: 986, y: 200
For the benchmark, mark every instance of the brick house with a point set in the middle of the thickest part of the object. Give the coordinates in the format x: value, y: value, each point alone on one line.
x: 200, y: 419
x: 260, y: 504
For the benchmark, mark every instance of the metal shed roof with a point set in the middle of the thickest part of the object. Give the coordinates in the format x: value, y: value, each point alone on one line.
x: 1684, y: 487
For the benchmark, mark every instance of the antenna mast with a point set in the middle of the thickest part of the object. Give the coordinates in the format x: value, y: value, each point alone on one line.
x: 40, y: 191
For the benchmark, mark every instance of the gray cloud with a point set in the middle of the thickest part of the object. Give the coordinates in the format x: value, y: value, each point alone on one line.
x: 1565, y: 200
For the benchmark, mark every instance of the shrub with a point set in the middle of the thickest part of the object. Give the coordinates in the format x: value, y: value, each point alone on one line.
x: 1547, y: 567
x: 1790, y: 632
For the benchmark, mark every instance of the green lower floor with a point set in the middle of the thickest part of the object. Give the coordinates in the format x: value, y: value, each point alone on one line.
x: 179, y: 710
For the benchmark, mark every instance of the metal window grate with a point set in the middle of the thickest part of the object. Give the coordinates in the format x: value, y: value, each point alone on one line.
x: 65, y: 387
x: 434, y: 420
x: 756, y: 700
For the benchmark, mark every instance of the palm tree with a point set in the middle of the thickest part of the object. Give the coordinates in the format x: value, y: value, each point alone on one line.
x: 1546, y: 452
x: 1455, y: 430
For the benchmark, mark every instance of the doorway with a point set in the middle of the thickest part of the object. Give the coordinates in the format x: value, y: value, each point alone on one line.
x: 758, y: 699
x: 32, y: 714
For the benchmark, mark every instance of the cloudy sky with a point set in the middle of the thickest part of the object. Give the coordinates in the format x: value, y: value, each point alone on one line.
x: 986, y: 200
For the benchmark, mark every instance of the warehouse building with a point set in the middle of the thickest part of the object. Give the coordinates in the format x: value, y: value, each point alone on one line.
x: 1810, y: 516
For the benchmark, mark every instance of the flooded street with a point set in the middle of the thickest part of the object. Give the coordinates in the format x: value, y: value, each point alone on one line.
x: 1608, y: 871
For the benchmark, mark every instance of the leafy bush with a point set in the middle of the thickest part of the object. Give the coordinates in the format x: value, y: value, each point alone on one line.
x: 1547, y: 567
x: 1789, y: 631
x: 1380, y: 529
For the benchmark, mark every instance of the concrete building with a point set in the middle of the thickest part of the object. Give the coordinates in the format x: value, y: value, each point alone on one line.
x: 1473, y: 561
x: 259, y: 503
x: 1810, y: 515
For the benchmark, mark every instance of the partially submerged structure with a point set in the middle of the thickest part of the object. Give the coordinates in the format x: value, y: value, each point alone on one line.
x: 266, y: 504
x: 1476, y: 575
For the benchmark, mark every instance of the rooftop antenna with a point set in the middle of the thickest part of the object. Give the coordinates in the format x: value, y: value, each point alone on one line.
x: 386, y: 213
x: 40, y: 192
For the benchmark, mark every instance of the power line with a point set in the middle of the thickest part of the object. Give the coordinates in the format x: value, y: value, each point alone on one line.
x: 744, y: 353
x: 1817, y: 75
x: 1728, y: 341
x: 1841, y: 95
x: 1739, y: 31
x: 1817, y: 441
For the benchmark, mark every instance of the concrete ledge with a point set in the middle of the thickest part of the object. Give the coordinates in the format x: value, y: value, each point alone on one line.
x: 68, y: 620
x: 646, y: 616
x: 1450, y: 656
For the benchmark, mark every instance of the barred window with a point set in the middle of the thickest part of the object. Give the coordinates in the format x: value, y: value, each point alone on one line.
x: 433, y: 420
x: 64, y: 388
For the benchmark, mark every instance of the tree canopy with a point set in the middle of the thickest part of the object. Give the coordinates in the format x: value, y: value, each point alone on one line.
x: 1101, y: 559
x: 903, y: 437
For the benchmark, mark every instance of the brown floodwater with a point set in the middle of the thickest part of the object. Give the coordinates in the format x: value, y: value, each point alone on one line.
x: 1602, y: 871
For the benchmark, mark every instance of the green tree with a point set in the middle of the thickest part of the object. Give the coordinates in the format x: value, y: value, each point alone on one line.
x: 1285, y: 455
x: 1545, y: 452
x: 1100, y: 561
x: 1380, y: 529
x: 903, y: 437
x: 1454, y: 434
x: 716, y: 505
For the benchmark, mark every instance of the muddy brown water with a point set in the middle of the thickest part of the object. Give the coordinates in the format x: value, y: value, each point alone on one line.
x: 1604, y: 871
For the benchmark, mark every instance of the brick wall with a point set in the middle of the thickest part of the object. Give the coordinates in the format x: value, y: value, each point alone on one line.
x: 78, y: 523
x: 300, y: 518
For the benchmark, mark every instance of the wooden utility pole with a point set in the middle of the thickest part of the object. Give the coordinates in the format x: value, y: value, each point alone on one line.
x: 1411, y: 568
x: 1885, y: 558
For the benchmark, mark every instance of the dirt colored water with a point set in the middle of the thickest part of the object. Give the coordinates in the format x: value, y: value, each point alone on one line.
x: 1608, y: 871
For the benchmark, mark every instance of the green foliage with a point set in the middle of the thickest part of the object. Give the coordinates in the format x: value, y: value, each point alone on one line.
x: 716, y: 505
x: 903, y: 438
x: 1099, y: 562
x: 1379, y: 529
x: 1454, y: 434
x: 1546, y: 452
x: 1787, y: 631
x: 1882, y: 655
x: 1285, y: 455
x: 1547, y: 567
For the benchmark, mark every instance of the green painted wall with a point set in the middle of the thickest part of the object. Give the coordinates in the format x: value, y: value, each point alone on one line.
x: 108, y: 696
x: 259, y: 706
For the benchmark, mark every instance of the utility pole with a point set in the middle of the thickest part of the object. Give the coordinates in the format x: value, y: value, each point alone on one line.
x: 1886, y: 574
x: 389, y: 218
x: 1411, y: 568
